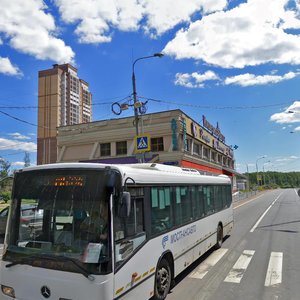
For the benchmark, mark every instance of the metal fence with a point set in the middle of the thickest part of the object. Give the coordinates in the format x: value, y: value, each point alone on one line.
x: 238, y: 196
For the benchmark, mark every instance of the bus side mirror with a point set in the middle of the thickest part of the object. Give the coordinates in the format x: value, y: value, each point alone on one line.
x: 125, y: 206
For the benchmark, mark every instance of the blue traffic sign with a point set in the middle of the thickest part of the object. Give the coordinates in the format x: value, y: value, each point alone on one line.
x: 142, y: 143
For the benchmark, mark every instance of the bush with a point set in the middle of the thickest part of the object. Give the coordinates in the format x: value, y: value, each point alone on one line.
x: 5, y: 196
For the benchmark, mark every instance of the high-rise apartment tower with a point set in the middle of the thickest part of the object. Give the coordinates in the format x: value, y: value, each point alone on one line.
x: 64, y: 99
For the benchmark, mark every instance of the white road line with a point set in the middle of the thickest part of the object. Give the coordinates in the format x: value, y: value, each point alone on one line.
x: 238, y: 270
x: 207, y: 264
x: 296, y: 192
x: 262, y: 216
x: 274, y: 273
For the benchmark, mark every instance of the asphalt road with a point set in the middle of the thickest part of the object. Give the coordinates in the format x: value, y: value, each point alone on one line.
x: 260, y: 260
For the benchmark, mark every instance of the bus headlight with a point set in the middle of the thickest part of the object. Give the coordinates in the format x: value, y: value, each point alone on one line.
x: 8, y: 291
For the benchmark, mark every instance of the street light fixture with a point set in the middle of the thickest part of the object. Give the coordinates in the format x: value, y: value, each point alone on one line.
x: 135, y: 102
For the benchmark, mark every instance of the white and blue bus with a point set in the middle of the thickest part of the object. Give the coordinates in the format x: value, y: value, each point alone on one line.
x: 156, y: 221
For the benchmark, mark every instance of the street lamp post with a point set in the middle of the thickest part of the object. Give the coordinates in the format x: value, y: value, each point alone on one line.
x: 135, y: 103
x: 248, y: 182
x: 257, y: 181
x: 264, y: 175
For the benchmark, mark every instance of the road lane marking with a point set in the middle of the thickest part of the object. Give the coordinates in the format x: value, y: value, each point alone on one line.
x: 296, y: 192
x: 207, y: 264
x: 238, y: 270
x: 262, y: 216
x: 274, y: 273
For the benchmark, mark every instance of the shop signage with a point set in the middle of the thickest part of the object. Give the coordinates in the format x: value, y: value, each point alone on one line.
x: 219, y: 146
x: 194, y: 129
x: 174, y: 134
x: 184, y: 135
x: 215, y: 131
x: 204, y: 137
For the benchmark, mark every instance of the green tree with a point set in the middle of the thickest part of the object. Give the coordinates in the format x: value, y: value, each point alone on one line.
x: 4, y: 168
x: 5, y: 196
x: 26, y: 159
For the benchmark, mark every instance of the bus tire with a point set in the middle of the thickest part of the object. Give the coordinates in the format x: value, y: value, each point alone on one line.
x: 163, y: 279
x: 219, y: 237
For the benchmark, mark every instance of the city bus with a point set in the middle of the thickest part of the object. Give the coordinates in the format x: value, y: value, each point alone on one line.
x: 156, y: 221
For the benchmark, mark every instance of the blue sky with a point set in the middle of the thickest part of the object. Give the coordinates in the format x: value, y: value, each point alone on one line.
x: 236, y: 62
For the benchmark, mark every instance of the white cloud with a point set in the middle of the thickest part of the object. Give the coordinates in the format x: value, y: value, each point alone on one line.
x: 95, y: 20
x: 290, y: 115
x: 18, y: 164
x: 161, y: 18
x: 7, y: 68
x: 284, y: 159
x: 195, y: 80
x: 251, y: 79
x: 297, y: 129
x: 19, y: 136
x: 7, y: 144
x: 96, y: 17
x: 29, y: 29
x: 250, y: 34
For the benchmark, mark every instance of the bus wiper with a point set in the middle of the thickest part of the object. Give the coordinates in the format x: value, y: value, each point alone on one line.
x: 22, y: 261
x: 31, y: 258
x: 83, y: 271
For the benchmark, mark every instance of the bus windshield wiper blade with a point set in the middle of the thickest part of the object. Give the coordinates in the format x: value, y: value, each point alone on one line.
x: 29, y: 260
x: 83, y: 271
x: 22, y: 261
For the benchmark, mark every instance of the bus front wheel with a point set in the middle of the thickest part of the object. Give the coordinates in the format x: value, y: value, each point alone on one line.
x: 162, y: 280
x: 219, y: 237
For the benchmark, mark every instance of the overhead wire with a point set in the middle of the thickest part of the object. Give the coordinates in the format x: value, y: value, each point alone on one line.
x: 14, y: 145
x: 16, y: 153
x: 128, y: 97
x: 21, y: 120
x: 216, y: 106
x: 58, y: 106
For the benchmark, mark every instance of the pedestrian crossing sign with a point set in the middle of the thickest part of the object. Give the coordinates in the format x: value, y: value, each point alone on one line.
x: 142, y: 143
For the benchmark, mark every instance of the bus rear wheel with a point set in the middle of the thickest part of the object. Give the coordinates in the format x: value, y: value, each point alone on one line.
x: 162, y: 280
x: 219, y: 237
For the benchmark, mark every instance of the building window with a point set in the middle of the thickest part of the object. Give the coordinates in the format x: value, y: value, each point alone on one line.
x: 219, y: 158
x: 189, y: 145
x: 197, y: 149
x: 121, y: 148
x: 205, y: 152
x: 105, y: 149
x: 213, y: 156
x: 157, y: 144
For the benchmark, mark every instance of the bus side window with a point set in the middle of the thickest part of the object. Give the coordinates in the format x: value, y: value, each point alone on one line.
x: 134, y: 224
x: 161, y: 218
x: 228, y: 194
x: 208, y: 200
x: 197, y: 202
x: 183, y: 205
x: 129, y: 232
x: 218, y: 197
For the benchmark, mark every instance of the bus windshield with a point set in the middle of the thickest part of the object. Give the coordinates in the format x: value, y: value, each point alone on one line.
x: 59, y: 219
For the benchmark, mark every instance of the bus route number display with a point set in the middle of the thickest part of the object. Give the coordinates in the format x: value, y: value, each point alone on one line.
x: 69, y: 181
